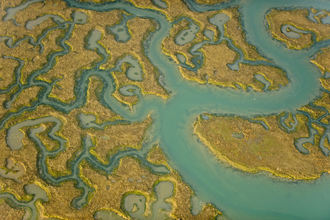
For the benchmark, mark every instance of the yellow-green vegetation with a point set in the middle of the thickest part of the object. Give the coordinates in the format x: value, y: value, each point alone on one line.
x: 171, y: 48
x: 25, y: 51
x: 109, y: 140
x: 26, y: 97
x: 8, y: 212
x: 175, y: 9
x: 7, y: 66
x: 183, y: 193
x: 68, y: 67
x: 139, y: 29
x: 313, y: 112
x: 27, y: 156
x: 234, y: 31
x: 109, y: 190
x: 216, y: 57
x: 324, y: 101
x: 130, y: 176
x: 119, y: 137
x: 97, y: 1
x: 322, y: 60
x: 215, y: 67
x: 156, y: 156
x: 250, y: 147
x: 299, y: 19
x: 210, y: 2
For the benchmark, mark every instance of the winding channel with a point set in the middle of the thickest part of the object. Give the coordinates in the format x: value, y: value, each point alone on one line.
x: 239, y: 195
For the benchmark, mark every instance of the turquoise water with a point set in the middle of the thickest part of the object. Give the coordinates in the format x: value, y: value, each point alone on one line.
x: 239, y: 195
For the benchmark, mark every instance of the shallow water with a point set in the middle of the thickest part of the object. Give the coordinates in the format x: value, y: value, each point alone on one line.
x: 30, y: 24
x: 292, y: 32
x: 239, y: 195
x: 238, y: 135
x: 29, y: 206
x: 129, y: 90
x: 135, y: 200
x: 264, y: 81
x: 187, y: 35
x: 16, y: 170
x: 163, y: 191
x: 209, y: 34
x: 196, y: 205
x: 121, y: 30
x: 312, y: 15
x: 181, y: 58
x: 15, y: 135
x: 160, y: 3
x: 134, y: 72
x: 326, y: 20
x: 12, y: 11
